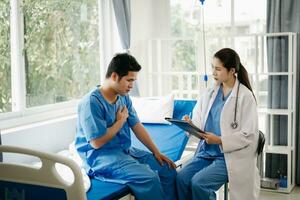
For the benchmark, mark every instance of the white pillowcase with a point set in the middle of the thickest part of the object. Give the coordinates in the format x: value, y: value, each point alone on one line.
x: 154, y: 109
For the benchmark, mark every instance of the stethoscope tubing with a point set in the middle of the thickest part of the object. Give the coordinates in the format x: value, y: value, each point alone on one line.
x: 234, y: 124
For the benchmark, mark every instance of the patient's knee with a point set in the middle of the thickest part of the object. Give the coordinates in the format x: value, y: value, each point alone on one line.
x: 154, y: 179
x: 181, y: 179
x: 168, y: 172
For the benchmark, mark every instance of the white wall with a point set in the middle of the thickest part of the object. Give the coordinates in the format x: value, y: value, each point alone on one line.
x: 50, y: 136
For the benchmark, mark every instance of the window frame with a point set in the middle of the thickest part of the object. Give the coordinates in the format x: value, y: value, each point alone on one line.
x: 20, y: 114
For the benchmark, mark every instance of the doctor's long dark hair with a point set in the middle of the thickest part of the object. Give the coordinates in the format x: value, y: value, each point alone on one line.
x: 231, y: 59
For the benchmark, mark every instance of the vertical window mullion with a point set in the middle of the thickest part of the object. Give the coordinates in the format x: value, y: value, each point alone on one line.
x: 17, y: 60
x: 232, y: 23
x: 102, y: 41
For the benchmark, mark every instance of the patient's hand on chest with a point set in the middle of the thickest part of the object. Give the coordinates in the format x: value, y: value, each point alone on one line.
x: 122, y: 114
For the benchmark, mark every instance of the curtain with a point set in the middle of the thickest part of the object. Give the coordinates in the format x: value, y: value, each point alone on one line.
x: 282, y: 16
x: 123, y: 19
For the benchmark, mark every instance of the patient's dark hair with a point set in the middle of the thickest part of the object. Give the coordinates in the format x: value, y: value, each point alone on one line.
x: 121, y: 64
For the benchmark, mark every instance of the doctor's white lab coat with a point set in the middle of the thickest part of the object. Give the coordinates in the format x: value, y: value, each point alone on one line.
x: 239, y: 145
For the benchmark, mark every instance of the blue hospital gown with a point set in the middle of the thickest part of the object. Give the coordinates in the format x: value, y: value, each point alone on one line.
x: 116, y: 161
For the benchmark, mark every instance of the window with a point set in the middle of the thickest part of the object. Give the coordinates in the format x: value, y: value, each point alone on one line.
x: 245, y: 18
x: 49, y: 55
x: 251, y: 17
x: 5, y: 70
x: 61, y: 40
x: 182, y: 24
x: 183, y: 55
x: 228, y: 28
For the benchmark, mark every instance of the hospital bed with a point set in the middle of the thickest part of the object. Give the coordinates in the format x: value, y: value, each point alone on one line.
x: 17, y: 179
x: 22, y: 181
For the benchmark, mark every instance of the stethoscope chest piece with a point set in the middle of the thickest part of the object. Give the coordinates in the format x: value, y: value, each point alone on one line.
x: 234, y: 125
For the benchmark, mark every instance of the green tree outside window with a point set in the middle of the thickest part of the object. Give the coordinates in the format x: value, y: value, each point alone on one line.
x: 5, y: 80
x: 61, y: 49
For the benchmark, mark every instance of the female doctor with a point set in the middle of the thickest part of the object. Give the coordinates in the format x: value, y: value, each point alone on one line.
x: 227, y: 153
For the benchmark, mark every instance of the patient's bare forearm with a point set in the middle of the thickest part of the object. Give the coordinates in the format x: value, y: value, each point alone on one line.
x: 142, y: 134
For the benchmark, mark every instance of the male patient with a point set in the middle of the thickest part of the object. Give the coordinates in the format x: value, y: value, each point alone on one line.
x: 105, y: 116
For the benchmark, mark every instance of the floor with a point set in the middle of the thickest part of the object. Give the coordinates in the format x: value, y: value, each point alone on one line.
x: 294, y: 195
x: 264, y: 195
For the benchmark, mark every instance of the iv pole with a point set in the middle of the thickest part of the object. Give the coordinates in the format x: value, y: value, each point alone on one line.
x: 205, y: 78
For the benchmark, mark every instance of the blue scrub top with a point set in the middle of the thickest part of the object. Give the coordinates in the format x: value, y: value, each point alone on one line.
x: 95, y: 115
x: 213, y: 125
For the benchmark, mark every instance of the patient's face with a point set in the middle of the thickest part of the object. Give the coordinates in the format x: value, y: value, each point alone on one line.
x: 125, y: 84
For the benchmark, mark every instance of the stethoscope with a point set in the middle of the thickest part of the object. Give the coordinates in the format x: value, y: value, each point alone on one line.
x: 234, y: 124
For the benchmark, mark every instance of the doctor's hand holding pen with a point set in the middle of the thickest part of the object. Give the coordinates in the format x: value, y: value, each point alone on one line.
x: 209, y: 137
x: 187, y: 117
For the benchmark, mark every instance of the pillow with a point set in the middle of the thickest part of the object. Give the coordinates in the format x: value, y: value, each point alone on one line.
x: 154, y: 109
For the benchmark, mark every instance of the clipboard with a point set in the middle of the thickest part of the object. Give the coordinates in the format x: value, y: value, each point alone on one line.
x: 188, y: 126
